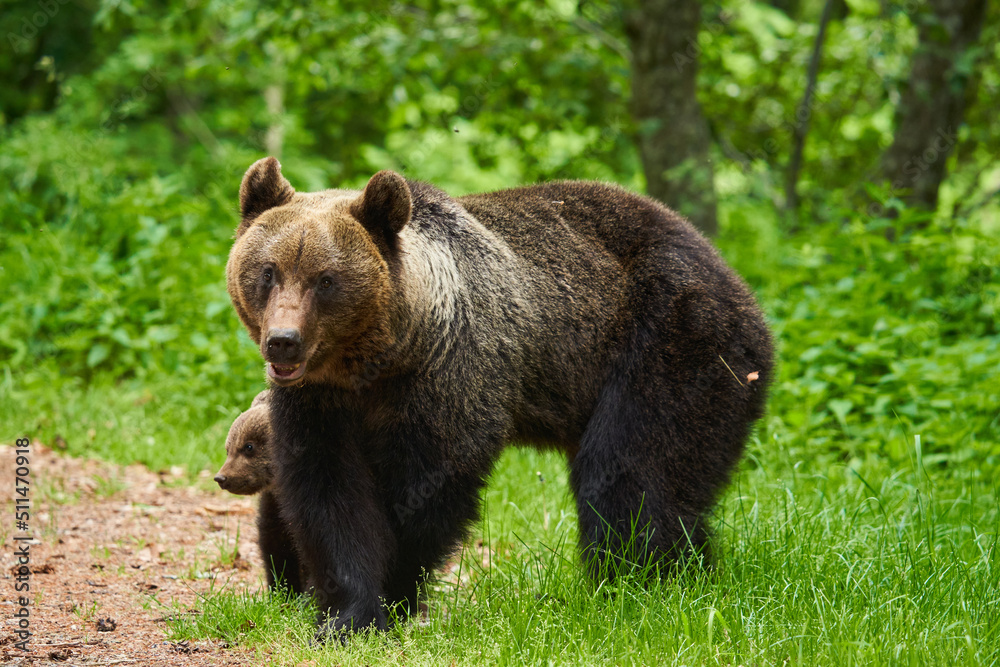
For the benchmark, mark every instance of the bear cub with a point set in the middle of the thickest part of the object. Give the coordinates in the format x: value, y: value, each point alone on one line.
x: 247, y: 471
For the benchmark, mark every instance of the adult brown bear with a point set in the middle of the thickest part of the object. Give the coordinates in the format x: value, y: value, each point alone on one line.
x: 410, y: 335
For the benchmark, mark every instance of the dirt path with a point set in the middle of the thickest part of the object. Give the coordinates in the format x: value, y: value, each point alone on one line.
x: 125, y: 544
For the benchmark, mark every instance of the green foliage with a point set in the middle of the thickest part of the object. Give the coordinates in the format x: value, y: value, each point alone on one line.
x: 884, y: 339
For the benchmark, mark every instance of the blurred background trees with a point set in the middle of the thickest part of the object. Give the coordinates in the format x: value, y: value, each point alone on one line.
x: 672, y: 132
x: 942, y: 81
x: 126, y: 125
x: 666, y: 95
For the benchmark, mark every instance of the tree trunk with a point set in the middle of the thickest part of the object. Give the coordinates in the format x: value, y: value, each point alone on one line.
x: 674, y: 138
x: 274, y: 98
x: 933, y: 103
x: 802, y: 114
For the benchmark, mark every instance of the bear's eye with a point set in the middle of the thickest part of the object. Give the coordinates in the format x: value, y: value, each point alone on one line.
x: 325, y: 283
x: 248, y: 448
x: 268, y: 275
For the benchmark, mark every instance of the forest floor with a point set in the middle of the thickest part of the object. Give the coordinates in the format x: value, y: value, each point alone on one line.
x: 117, y: 551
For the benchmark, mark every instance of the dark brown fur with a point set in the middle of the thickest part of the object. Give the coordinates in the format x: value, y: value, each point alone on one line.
x: 409, y: 336
x: 247, y: 471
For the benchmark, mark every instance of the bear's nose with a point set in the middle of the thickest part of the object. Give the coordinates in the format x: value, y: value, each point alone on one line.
x: 221, y: 480
x: 283, y: 345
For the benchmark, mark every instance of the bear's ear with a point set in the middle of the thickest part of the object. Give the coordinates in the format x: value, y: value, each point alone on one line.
x: 263, y: 398
x: 384, y: 207
x: 263, y: 188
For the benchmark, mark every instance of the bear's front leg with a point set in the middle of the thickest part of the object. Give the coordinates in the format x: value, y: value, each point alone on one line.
x: 342, y: 537
x: 281, y: 561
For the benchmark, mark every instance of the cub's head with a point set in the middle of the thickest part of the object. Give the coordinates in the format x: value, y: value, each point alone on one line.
x: 309, y: 273
x: 247, y: 469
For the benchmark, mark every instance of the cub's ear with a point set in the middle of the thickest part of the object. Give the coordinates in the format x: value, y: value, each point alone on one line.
x: 263, y: 188
x: 263, y: 398
x: 384, y: 207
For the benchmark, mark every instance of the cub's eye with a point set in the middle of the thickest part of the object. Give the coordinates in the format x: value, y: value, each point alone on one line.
x: 325, y: 283
x: 248, y: 448
x: 268, y: 275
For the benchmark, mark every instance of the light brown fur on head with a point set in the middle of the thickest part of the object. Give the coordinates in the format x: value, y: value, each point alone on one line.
x: 247, y: 469
x: 308, y: 274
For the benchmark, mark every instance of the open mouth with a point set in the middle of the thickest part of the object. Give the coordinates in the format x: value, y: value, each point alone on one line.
x: 285, y: 372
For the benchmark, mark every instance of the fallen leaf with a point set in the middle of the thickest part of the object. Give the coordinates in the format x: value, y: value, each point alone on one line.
x: 209, y: 510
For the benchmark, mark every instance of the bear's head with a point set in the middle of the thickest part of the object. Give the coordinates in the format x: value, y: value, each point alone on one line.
x: 310, y: 273
x: 247, y: 469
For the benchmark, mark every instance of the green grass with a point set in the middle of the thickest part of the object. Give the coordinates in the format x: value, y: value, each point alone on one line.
x: 161, y: 421
x: 818, y: 563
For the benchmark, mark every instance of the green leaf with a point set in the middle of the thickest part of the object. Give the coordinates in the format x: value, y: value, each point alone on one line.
x: 840, y: 407
x: 98, y: 353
